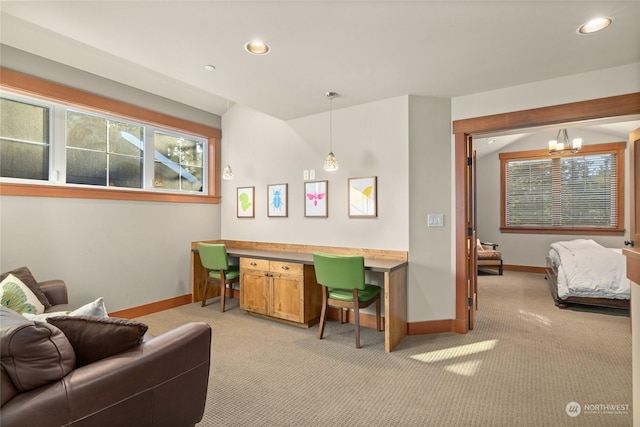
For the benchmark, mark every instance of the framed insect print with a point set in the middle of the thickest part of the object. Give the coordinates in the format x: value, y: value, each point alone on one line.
x: 363, y: 197
x: 245, y: 202
x: 278, y: 200
x: 316, y: 199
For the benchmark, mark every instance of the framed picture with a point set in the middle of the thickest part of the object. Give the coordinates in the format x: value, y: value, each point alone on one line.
x: 245, y: 202
x: 316, y: 201
x: 278, y: 199
x: 363, y: 197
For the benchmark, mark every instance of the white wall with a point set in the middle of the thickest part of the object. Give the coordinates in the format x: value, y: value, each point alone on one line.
x: 368, y: 140
x: 131, y: 253
x: 431, y: 292
x: 531, y: 249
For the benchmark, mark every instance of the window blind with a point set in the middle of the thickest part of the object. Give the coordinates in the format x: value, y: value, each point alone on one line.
x: 576, y: 191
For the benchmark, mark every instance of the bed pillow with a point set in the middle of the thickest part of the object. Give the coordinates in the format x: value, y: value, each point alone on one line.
x: 96, y: 338
x: 27, y: 278
x: 95, y: 308
x: 17, y: 296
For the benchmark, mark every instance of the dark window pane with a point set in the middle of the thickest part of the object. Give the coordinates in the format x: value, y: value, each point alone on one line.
x: 86, y: 167
x: 125, y: 171
x: 24, y: 140
x: 84, y: 131
x: 178, y: 163
x: 27, y: 161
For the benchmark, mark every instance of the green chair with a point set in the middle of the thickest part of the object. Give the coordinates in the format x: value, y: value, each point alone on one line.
x: 343, y: 286
x: 214, y: 259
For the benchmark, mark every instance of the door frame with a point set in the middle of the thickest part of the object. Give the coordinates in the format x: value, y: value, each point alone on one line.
x: 601, y: 108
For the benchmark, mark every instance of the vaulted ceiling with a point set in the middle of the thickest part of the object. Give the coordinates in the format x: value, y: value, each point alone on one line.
x: 363, y: 50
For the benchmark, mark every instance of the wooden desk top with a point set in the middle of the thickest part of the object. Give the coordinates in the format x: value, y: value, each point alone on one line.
x: 380, y: 265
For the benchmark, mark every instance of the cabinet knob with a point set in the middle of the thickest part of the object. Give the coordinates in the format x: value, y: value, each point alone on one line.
x: 285, y: 267
x: 253, y: 264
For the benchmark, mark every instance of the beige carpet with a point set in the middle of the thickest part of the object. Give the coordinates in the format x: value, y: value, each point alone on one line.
x: 523, y: 364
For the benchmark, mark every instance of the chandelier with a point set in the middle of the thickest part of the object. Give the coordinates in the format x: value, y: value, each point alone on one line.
x: 562, y: 144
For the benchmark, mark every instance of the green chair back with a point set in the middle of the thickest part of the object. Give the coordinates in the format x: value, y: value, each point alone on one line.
x: 339, y: 271
x: 213, y: 256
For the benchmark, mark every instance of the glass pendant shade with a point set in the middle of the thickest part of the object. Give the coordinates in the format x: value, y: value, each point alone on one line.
x: 331, y: 163
x: 227, y: 173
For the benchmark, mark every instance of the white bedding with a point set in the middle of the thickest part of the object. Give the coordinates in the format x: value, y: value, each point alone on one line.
x: 587, y: 269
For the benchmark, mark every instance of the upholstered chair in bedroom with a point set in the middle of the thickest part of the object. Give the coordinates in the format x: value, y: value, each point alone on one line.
x: 488, y: 256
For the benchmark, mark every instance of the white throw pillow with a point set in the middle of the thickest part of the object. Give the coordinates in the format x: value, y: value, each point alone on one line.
x: 18, y: 297
x: 95, y: 308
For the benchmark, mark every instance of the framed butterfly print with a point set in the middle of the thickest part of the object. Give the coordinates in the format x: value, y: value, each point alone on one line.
x: 245, y: 202
x: 363, y: 197
x: 316, y: 203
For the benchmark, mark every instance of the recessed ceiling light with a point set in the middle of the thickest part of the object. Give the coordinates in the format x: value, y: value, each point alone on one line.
x: 209, y: 67
x: 594, y: 25
x: 257, y: 48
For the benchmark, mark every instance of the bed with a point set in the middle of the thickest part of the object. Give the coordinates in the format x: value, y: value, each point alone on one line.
x: 582, y: 271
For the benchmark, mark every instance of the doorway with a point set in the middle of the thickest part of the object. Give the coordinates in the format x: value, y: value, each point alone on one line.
x: 466, y: 273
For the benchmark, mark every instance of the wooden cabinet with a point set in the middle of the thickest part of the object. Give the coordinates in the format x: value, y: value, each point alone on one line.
x: 282, y: 290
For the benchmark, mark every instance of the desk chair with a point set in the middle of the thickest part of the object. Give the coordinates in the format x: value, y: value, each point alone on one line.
x: 214, y: 259
x: 343, y: 286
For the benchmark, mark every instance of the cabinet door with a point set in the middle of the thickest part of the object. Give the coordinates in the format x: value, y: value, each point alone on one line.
x: 287, y: 296
x: 253, y: 291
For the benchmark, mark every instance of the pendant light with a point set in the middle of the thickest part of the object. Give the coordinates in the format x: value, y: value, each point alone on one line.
x: 331, y: 163
x: 562, y: 144
x: 227, y: 173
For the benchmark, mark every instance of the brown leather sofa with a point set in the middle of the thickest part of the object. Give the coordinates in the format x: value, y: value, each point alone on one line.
x: 161, y: 381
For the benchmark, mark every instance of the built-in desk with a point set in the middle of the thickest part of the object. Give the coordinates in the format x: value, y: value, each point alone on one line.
x: 392, y: 265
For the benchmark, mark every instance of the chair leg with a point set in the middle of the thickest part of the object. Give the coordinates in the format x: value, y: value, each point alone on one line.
x: 223, y: 290
x: 500, y: 268
x: 356, y: 319
x: 204, y: 292
x: 323, y: 312
x: 378, y: 322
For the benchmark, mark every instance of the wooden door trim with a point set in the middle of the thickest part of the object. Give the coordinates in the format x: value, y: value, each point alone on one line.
x: 614, y: 106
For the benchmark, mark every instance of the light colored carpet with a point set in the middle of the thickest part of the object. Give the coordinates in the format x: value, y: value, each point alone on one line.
x: 525, y: 361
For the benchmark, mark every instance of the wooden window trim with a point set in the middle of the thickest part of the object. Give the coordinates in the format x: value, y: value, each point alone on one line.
x: 29, y: 85
x: 617, y: 148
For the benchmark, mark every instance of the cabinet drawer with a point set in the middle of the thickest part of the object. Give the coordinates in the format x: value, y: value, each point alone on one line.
x: 285, y: 267
x: 254, y: 264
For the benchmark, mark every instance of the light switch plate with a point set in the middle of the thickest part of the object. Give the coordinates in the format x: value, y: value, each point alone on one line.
x: 312, y: 174
x: 305, y: 175
x: 435, y: 220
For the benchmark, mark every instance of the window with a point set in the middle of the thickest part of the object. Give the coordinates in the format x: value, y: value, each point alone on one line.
x: 24, y: 140
x: 58, y: 141
x: 564, y: 194
x: 103, y: 152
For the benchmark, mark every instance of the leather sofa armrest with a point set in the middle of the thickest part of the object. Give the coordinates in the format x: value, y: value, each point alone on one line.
x: 164, y: 378
x: 55, y: 291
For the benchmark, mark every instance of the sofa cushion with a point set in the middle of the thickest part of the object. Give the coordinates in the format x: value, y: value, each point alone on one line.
x: 95, y: 308
x: 33, y: 353
x: 27, y: 278
x: 17, y: 296
x: 96, y: 338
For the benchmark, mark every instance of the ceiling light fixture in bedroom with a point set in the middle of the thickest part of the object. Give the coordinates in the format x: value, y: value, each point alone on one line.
x: 331, y: 163
x: 562, y: 144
